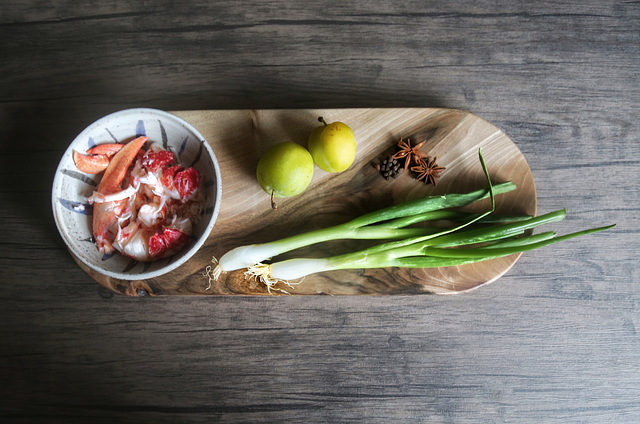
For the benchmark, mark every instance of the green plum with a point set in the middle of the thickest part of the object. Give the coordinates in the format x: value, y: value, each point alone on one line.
x: 285, y: 170
x: 332, y: 146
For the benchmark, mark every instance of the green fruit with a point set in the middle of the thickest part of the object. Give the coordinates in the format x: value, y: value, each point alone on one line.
x: 285, y: 170
x: 332, y: 146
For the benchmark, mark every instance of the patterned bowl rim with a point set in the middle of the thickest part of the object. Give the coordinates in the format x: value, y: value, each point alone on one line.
x: 197, y: 245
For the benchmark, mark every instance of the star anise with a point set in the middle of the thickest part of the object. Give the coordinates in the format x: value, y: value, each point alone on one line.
x: 410, y: 154
x: 427, y: 170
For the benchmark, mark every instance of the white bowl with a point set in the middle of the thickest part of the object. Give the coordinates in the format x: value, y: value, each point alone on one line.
x: 71, y: 188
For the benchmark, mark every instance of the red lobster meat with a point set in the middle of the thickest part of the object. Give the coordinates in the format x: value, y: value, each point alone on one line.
x: 152, y: 216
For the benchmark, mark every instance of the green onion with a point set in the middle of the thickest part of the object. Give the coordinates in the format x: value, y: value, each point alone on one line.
x: 413, y: 256
x: 519, y: 241
x: 498, y: 232
x: 505, y: 250
x: 245, y: 256
x: 427, y: 247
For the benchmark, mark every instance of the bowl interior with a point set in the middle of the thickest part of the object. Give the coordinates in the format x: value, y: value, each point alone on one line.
x: 71, y: 188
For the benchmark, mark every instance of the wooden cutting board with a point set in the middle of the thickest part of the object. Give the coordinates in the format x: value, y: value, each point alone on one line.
x: 239, y: 137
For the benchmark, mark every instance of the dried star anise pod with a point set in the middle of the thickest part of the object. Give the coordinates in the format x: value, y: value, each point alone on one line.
x: 427, y: 170
x: 410, y: 154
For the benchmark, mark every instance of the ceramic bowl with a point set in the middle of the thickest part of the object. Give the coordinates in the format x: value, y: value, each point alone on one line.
x: 73, y: 215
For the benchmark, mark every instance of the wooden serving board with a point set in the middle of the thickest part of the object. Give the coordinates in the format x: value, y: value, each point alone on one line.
x: 239, y: 137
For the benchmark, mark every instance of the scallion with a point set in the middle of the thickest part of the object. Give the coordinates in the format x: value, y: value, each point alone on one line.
x: 426, y: 247
x: 245, y: 256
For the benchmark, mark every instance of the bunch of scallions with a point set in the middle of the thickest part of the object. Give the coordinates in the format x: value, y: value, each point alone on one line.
x: 409, y: 247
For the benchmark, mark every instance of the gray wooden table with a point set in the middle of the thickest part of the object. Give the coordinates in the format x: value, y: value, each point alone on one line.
x: 557, y: 339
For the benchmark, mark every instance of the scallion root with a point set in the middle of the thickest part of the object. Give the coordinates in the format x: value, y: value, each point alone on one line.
x: 212, y: 272
x: 262, y: 272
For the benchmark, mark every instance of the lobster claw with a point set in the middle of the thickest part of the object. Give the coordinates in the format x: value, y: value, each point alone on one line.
x: 108, y: 149
x: 118, y: 166
x: 97, y: 158
x: 90, y: 164
x: 106, y: 214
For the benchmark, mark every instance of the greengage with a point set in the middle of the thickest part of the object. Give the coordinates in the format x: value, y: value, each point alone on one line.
x: 285, y: 170
x: 332, y: 146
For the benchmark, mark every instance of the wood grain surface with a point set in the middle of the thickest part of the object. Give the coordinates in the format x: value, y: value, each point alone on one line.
x: 240, y: 137
x: 556, y: 339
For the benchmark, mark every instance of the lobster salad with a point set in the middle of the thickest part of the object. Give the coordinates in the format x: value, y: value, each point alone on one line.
x: 146, y: 203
